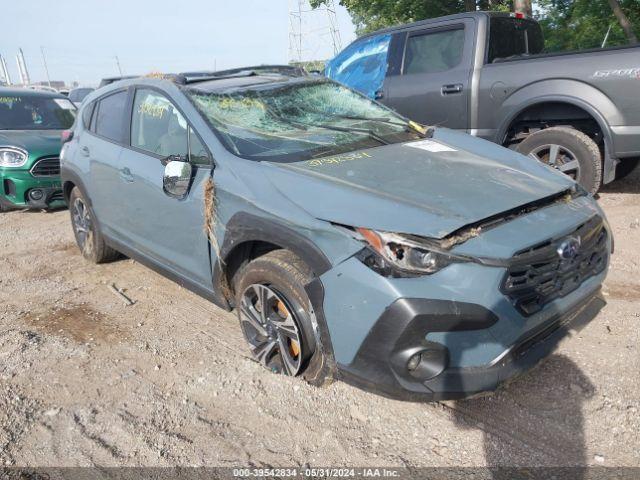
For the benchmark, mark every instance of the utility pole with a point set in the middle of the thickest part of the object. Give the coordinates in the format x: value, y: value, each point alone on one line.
x: 46, y: 69
x: 22, y: 68
x: 118, y: 64
x: 5, y: 71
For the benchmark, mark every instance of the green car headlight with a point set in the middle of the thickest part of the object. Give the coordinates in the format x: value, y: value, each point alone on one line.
x: 12, y: 157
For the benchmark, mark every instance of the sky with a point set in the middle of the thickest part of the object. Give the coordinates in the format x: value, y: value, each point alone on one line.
x: 81, y: 38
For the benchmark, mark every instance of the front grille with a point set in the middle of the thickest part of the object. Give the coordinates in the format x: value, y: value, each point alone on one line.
x: 56, y: 196
x: 46, y: 167
x: 538, y: 275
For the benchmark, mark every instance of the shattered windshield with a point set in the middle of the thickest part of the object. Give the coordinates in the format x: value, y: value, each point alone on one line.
x: 299, y: 120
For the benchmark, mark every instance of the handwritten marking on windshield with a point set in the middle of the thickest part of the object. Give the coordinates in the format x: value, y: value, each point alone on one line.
x: 318, y: 162
x: 10, y: 99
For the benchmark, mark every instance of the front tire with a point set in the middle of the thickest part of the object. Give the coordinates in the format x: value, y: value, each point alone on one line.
x: 569, y: 151
x: 85, y: 229
x: 276, y: 316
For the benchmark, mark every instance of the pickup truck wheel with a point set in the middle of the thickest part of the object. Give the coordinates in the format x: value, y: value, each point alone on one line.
x: 569, y: 151
x: 88, y: 237
x: 275, y: 316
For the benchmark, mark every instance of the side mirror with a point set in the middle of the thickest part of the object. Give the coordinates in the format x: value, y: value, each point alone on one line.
x: 177, y: 177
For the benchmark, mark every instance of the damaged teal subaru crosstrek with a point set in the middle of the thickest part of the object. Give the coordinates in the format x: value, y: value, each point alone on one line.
x: 354, y: 244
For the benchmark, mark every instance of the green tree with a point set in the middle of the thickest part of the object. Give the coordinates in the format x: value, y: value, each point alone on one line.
x: 370, y: 15
x: 582, y: 24
x: 567, y: 24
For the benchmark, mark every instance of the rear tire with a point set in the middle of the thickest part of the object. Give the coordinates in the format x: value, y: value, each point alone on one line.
x: 85, y: 229
x: 276, y: 316
x: 569, y: 151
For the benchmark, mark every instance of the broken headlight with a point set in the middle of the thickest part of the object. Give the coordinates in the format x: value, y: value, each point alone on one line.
x: 393, y: 255
x: 12, y: 157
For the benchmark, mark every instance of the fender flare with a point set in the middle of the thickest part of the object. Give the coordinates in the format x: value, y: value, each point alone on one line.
x: 245, y: 227
x: 66, y: 176
x: 601, y: 109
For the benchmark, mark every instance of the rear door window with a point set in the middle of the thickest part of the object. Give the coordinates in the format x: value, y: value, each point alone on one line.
x: 514, y: 37
x: 109, y: 119
x: 157, y: 126
x: 433, y: 52
x: 362, y: 65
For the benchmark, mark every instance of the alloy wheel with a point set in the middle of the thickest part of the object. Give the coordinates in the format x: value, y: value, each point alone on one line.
x: 270, y: 326
x: 82, y: 224
x: 558, y: 157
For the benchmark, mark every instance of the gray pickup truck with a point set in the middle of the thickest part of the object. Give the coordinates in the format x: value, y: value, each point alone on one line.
x: 488, y: 74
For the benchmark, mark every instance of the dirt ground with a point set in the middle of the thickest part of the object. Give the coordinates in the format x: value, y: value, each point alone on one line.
x: 86, y: 380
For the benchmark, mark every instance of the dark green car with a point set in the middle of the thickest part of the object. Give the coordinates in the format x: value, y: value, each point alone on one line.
x: 31, y: 124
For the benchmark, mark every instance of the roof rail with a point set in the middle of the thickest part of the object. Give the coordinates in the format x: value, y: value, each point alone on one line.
x: 202, y: 76
x: 109, y: 80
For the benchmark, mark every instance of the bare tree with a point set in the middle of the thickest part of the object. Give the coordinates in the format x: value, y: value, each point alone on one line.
x: 623, y: 21
x: 523, y: 6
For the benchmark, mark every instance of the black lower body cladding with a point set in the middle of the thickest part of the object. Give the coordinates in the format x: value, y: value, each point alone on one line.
x: 384, y: 362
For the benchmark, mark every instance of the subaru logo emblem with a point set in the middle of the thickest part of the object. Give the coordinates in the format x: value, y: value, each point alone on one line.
x: 569, y: 248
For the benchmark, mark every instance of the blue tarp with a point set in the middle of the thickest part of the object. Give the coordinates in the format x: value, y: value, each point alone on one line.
x: 361, y: 66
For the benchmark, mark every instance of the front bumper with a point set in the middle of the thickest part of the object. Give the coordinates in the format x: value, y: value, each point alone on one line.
x: 380, y: 365
x: 471, y: 335
x: 16, y: 184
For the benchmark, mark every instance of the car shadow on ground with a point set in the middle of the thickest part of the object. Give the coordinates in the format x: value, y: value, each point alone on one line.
x: 536, y: 420
x: 629, y: 184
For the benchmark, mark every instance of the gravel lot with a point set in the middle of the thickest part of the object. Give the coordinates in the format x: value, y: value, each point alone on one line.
x: 86, y: 380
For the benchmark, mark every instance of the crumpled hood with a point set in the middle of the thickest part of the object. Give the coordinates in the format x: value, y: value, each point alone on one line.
x: 429, y: 188
x: 46, y: 142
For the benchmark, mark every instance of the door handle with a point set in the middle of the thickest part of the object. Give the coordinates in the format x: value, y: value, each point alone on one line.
x: 452, y: 89
x: 126, y: 175
x: 85, y: 151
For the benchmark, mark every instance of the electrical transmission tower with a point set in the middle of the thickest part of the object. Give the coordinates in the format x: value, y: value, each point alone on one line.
x: 333, y: 26
x: 296, y: 8
x: 300, y: 35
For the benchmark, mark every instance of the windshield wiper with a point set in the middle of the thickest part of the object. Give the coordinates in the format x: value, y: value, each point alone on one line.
x: 363, y: 131
x: 409, y: 125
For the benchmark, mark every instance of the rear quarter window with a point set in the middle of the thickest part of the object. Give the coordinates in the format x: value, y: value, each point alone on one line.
x: 513, y: 37
x: 109, y: 118
x: 86, y: 115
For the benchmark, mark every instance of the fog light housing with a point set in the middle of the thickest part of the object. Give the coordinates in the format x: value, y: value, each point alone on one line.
x: 421, y: 362
x: 36, y: 194
x: 414, y: 362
